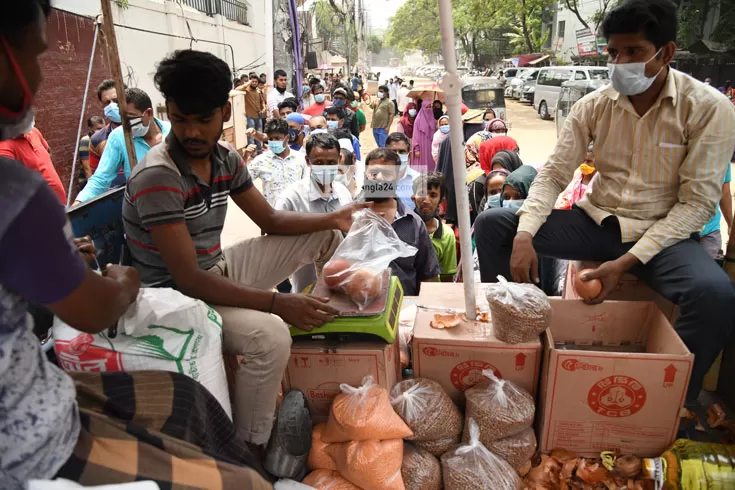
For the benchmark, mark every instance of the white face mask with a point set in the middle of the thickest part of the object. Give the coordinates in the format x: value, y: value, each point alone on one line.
x: 412, y: 112
x: 324, y: 174
x: 139, y: 130
x: 404, y: 161
x: 630, y: 78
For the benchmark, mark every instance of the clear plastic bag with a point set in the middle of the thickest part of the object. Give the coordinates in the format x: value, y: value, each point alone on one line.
x: 517, y: 449
x: 440, y: 446
x: 328, y: 480
x: 420, y: 469
x: 359, y: 414
x: 520, y: 312
x: 473, y: 467
x: 357, y: 266
x: 371, y: 465
x: 319, y: 459
x: 499, y: 407
x: 427, y: 409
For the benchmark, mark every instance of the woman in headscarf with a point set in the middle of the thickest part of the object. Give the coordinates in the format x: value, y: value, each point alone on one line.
x: 423, y: 133
x: 506, y: 159
x: 484, y: 192
x: 438, y: 109
x: 440, y: 135
x: 491, y: 147
x: 516, y: 187
x: 493, y: 127
x: 405, y: 124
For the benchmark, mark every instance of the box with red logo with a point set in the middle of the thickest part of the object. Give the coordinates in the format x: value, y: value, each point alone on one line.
x: 456, y: 357
x: 318, y: 368
x: 614, y: 377
x: 630, y: 288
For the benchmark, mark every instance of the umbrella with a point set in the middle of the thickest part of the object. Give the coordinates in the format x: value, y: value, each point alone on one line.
x: 427, y: 91
x: 325, y: 67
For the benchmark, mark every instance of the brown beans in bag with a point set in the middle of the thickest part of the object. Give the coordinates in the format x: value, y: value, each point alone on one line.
x: 371, y: 465
x: 420, y: 470
x: 427, y: 409
x: 360, y: 414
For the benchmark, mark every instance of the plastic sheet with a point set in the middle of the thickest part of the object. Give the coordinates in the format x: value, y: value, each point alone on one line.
x: 319, y: 459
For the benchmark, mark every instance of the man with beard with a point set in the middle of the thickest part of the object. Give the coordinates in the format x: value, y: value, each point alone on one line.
x: 174, y: 212
x: 279, y: 93
x: 382, y: 167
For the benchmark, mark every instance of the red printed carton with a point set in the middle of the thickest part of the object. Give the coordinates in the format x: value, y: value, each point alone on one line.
x: 318, y: 368
x: 614, y: 377
x: 456, y: 357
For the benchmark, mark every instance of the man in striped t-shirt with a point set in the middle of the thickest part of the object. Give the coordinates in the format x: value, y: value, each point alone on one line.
x: 174, y: 212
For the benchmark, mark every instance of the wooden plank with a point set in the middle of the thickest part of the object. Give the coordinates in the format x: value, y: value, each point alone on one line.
x: 109, y: 31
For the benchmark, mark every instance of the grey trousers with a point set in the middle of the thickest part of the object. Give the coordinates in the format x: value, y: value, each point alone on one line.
x: 683, y: 273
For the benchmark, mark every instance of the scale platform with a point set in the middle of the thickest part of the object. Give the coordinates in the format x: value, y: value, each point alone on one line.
x: 378, y: 319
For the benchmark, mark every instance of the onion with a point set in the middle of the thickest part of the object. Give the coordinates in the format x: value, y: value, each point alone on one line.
x: 587, y: 289
x: 334, y: 273
x: 628, y: 466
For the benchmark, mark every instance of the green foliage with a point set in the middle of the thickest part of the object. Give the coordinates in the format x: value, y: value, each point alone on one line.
x: 725, y: 30
x: 375, y: 44
x: 416, y: 26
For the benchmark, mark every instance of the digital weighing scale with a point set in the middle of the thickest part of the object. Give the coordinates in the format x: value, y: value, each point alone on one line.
x: 378, y: 319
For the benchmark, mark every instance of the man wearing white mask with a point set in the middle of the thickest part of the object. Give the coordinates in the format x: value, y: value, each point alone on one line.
x: 318, y: 192
x: 399, y: 143
x: 663, y: 142
x: 147, y: 133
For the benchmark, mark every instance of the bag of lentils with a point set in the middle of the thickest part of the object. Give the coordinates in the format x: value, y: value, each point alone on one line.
x: 520, y: 312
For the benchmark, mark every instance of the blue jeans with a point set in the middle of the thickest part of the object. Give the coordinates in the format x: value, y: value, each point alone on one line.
x: 257, y: 123
x: 380, y: 137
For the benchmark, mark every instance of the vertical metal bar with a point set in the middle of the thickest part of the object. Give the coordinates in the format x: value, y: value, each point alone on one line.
x: 452, y: 90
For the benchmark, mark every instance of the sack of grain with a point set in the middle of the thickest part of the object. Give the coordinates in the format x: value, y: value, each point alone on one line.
x: 500, y: 408
x: 427, y: 409
x: 420, y: 470
x: 519, y: 312
x: 473, y: 467
x: 371, y: 465
x: 440, y: 446
x: 517, y: 449
x: 319, y: 459
x: 359, y: 414
x: 328, y: 480
x: 162, y: 331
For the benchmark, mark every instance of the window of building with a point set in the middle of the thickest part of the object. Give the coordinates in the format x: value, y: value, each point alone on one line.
x: 561, y: 28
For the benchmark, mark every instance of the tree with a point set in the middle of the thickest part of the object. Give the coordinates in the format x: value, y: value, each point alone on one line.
x: 416, y: 26
x: 375, y: 44
x: 596, y: 18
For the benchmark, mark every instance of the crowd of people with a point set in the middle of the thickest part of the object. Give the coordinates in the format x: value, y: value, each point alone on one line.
x: 635, y: 182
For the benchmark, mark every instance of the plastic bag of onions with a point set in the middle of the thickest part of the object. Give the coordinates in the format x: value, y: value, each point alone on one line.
x: 357, y: 266
x: 427, y: 409
x: 520, y: 312
x: 500, y: 408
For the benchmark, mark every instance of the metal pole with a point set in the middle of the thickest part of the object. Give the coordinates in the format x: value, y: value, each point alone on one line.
x: 452, y: 90
x: 81, y: 113
x: 109, y: 31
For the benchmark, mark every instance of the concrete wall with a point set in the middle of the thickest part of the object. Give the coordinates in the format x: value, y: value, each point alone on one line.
x: 71, y: 30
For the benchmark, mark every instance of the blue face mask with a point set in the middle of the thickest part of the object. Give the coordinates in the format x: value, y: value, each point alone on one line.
x: 112, y: 112
x: 444, y: 129
x: 332, y: 124
x: 338, y: 103
x: 493, y: 202
x: 319, y: 98
x: 276, y: 146
x: 293, y: 134
x: 514, y: 205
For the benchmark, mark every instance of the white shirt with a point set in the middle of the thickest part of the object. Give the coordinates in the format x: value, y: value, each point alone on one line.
x: 275, y: 98
x: 392, y: 91
x: 402, y: 98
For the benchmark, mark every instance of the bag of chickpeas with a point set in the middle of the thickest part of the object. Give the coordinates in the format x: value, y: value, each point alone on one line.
x: 473, y: 467
x: 519, y: 312
x: 500, y: 407
x: 427, y: 409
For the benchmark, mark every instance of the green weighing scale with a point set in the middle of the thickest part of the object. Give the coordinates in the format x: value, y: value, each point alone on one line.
x: 378, y: 319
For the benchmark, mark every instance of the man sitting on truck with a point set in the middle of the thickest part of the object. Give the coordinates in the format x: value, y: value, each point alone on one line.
x: 663, y: 142
x: 174, y: 212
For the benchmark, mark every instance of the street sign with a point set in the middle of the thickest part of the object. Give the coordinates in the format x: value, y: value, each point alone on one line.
x: 586, y: 42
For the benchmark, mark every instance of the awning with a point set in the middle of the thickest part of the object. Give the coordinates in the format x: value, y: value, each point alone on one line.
x: 539, y: 60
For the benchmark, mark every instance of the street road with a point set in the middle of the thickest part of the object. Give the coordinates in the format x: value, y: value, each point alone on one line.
x: 535, y: 137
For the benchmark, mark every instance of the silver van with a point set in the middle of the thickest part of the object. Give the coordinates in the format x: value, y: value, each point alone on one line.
x: 548, y: 84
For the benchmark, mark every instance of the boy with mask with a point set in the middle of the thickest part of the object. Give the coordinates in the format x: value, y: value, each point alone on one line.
x: 381, y: 175
x: 336, y: 119
x: 318, y: 192
x: 383, y: 113
x: 278, y: 167
x: 399, y: 143
x: 428, y: 194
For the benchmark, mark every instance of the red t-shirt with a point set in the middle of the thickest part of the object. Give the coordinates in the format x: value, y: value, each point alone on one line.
x: 316, y: 109
x: 32, y: 150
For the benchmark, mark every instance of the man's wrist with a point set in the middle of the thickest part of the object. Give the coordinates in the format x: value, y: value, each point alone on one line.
x: 627, y: 261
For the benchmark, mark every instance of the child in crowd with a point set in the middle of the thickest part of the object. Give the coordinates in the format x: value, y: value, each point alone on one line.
x: 280, y: 166
x: 581, y: 182
x: 428, y: 193
x: 381, y: 177
x: 318, y: 192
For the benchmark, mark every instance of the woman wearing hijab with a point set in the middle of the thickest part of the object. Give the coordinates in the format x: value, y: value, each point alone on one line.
x: 440, y: 135
x: 423, y: 133
x: 407, y: 120
x: 491, y: 147
x: 438, y: 109
x: 493, y: 127
x: 506, y: 159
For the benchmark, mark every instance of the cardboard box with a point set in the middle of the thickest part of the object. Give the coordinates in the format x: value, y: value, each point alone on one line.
x: 318, y: 368
x: 455, y: 358
x: 593, y: 401
x: 630, y: 288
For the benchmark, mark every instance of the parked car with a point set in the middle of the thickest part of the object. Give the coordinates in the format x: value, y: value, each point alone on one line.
x: 521, y: 80
x: 570, y: 93
x: 550, y: 79
x: 509, y: 74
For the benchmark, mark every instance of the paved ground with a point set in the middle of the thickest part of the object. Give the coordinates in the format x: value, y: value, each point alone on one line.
x: 535, y: 137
